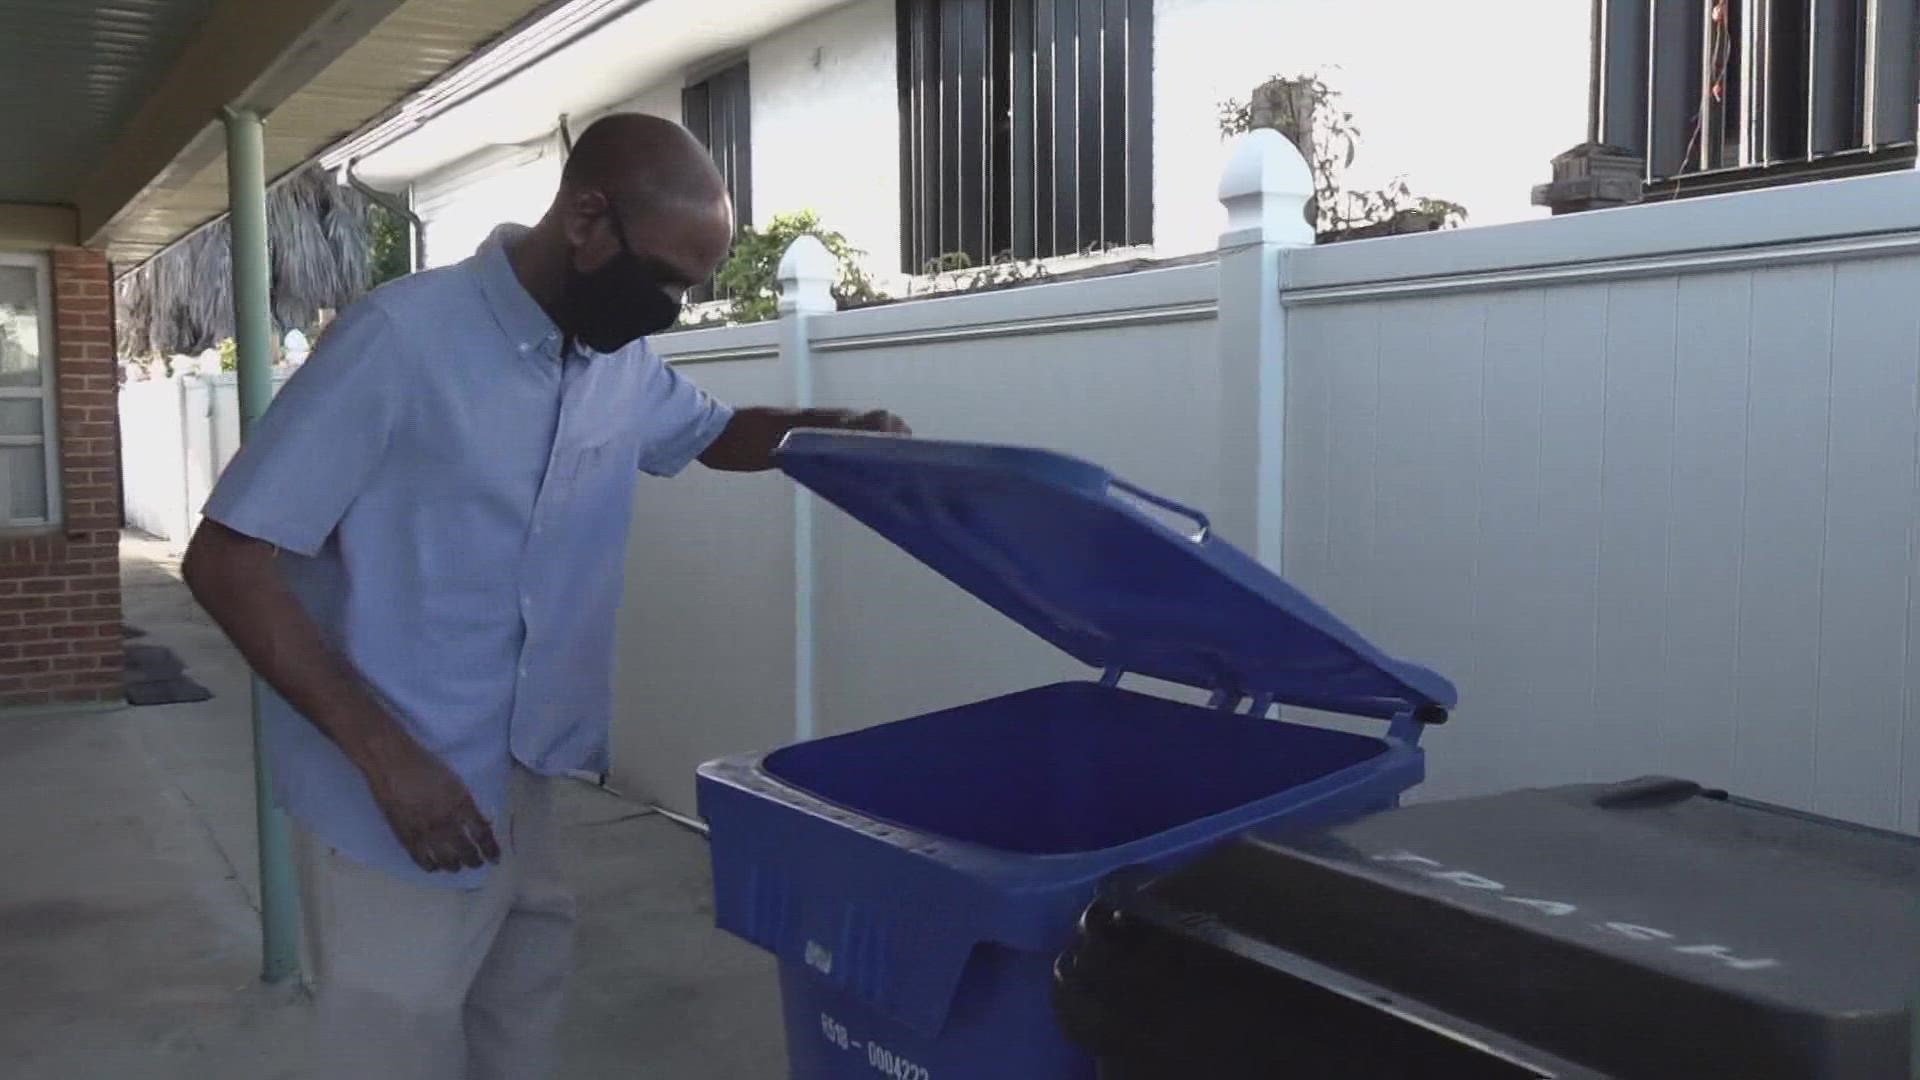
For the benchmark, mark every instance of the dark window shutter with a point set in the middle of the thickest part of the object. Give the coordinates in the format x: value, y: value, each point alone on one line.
x: 694, y: 102
x: 1726, y: 94
x: 717, y: 110
x: 1026, y: 127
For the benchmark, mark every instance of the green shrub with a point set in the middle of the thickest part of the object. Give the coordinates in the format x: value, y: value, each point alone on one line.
x: 749, y: 279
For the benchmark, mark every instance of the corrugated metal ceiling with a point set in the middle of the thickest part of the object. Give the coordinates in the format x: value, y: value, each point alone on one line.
x: 419, y: 41
x: 75, y: 70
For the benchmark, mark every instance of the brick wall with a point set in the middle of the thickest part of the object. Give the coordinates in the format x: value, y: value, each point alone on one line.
x: 60, y: 637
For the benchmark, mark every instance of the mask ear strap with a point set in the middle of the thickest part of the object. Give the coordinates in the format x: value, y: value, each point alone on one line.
x: 619, y: 224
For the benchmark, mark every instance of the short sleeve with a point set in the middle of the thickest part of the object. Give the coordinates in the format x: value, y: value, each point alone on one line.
x: 317, y: 447
x: 679, y: 421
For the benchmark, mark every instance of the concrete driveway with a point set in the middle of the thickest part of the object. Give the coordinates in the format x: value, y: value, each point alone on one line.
x: 128, y: 907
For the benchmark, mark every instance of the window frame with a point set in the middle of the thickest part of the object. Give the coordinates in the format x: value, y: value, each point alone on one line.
x: 41, y: 267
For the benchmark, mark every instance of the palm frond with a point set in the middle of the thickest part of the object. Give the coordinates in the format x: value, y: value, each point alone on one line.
x: 181, y: 301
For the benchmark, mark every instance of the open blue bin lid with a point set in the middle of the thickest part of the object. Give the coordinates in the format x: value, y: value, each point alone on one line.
x: 1114, y: 576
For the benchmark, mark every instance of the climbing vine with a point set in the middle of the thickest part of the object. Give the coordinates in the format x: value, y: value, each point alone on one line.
x: 749, y: 279
x: 1311, y: 114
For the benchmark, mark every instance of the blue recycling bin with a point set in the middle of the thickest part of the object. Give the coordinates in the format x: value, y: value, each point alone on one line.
x: 917, y: 879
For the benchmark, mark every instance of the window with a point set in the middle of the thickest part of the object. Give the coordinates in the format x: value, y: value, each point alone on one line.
x: 29, y: 480
x: 718, y: 111
x: 1723, y: 94
x: 1026, y: 127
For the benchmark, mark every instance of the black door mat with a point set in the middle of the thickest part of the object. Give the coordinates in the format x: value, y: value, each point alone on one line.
x: 155, y: 676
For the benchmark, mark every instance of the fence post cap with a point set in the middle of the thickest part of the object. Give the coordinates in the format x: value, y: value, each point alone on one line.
x: 1266, y: 187
x: 806, y: 274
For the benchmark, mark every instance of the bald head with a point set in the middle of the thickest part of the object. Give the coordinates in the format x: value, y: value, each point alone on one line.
x: 644, y: 164
x: 645, y: 187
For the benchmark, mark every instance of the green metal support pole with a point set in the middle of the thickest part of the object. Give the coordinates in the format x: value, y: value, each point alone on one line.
x: 253, y: 338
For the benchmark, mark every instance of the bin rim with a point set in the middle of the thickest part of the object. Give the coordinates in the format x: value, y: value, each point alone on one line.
x: 749, y: 773
x: 1077, y: 1004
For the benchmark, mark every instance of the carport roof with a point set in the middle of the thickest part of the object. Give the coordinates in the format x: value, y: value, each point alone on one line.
x: 110, y: 109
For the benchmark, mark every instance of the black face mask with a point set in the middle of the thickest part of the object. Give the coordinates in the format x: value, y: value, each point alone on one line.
x: 619, y: 303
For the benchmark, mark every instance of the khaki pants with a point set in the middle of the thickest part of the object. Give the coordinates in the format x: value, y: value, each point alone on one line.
x: 419, y: 983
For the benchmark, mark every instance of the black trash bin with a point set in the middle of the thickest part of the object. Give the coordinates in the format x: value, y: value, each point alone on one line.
x: 1650, y: 929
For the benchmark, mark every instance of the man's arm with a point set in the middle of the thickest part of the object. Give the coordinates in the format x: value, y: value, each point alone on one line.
x: 750, y: 438
x: 235, y: 579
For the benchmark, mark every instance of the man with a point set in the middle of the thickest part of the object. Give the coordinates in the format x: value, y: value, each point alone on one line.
x: 421, y: 550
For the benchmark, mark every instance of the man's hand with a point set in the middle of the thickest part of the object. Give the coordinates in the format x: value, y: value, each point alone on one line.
x: 430, y: 810
x: 879, y: 421
x: 748, y: 443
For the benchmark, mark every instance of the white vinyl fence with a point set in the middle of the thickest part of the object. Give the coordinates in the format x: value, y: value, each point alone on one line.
x: 1642, y: 482
x: 176, y: 436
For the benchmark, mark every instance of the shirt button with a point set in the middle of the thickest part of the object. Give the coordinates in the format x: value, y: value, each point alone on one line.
x: 525, y: 347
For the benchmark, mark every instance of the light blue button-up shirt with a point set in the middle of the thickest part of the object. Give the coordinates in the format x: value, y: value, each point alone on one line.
x: 452, y: 496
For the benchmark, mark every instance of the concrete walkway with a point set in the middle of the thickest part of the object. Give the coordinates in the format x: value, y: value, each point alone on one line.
x: 128, y: 908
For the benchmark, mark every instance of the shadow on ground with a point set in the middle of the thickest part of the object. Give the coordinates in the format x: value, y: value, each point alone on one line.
x: 128, y: 907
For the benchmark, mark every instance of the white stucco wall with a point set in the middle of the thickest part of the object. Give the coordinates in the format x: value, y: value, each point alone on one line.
x: 825, y: 81
x: 1454, y: 103
x: 462, y: 203
x: 826, y: 126
x: 661, y: 99
x: 1448, y: 102
x: 1469, y: 101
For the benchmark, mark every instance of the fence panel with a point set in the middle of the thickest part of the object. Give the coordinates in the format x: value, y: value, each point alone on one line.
x: 177, y: 436
x: 1652, y: 508
x: 705, y: 649
x: 152, y: 462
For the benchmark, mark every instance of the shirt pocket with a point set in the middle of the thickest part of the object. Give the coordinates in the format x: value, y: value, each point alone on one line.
x: 598, y: 473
